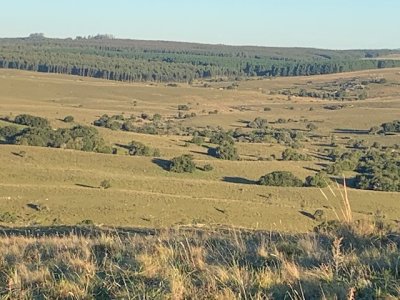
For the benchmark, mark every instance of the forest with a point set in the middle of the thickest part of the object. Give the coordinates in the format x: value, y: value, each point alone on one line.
x: 103, y: 56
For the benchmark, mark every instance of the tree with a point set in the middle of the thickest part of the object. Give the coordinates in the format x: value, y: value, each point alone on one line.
x: 139, y: 149
x: 226, y: 151
x: 280, y: 178
x: 311, y: 127
x: 105, y: 184
x: 32, y: 121
x: 290, y: 154
x: 182, y: 164
x: 318, y: 180
x: 68, y: 119
x: 198, y: 140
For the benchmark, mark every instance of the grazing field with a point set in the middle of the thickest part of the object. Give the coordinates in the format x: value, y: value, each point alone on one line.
x: 142, y: 193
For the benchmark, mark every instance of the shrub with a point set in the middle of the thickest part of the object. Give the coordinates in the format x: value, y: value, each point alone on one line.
x: 105, y: 184
x: 182, y: 164
x: 311, y: 127
x: 318, y: 214
x: 198, y: 140
x: 221, y: 137
x: 32, y: 121
x: 208, y: 168
x: 290, y: 154
x: 139, y: 149
x: 183, y: 107
x: 318, y: 180
x: 68, y: 119
x: 156, y: 117
x: 267, y: 108
x: 280, y: 178
x: 8, y: 133
x: 226, y: 151
x: 259, y: 123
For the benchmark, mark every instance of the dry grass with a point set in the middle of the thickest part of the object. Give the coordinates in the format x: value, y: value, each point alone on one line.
x: 337, y: 262
x: 142, y: 193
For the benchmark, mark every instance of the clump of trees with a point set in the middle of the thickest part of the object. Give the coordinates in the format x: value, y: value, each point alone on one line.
x: 32, y: 121
x: 139, y: 149
x: 320, y: 180
x: 385, y: 128
x: 39, y: 133
x: 182, y: 164
x: 198, y: 140
x: 8, y: 133
x: 290, y: 154
x: 226, y: 146
x: 280, y: 178
x: 379, y: 171
x: 258, y: 123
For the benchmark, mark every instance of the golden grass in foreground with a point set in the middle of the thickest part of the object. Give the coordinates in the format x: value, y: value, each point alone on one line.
x: 339, y: 261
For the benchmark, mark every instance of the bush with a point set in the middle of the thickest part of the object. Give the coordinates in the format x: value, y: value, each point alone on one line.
x: 105, y: 184
x: 8, y: 133
x: 68, y: 119
x: 183, y: 107
x: 139, y: 149
x: 221, y: 137
x: 280, y: 178
x: 32, y: 121
x: 290, y: 154
x: 208, y: 168
x: 226, y: 151
x: 318, y: 215
x: 311, y: 127
x: 318, y: 180
x: 198, y: 140
x: 157, y: 117
x: 182, y: 164
x: 258, y: 123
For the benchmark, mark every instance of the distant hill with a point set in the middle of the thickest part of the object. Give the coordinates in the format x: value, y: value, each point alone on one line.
x: 102, y: 56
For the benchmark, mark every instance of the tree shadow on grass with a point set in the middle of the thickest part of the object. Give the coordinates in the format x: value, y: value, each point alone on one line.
x: 162, y: 163
x: 311, y: 169
x: 307, y: 214
x: 86, y: 186
x: 123, y: 146
x: 239, y: 180
x: 351, y: 131
x: 350, y: 182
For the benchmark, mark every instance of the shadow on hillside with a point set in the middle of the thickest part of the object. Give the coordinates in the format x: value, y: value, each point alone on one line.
x: 311, y: 169
x: 307, y: 214
x: 162, y: 163
x: 350, y: 131
x: 350, y: 182
x: 239, y: 180
x: 123, y: 146
x: 199, y: 152
x: 86, y: 186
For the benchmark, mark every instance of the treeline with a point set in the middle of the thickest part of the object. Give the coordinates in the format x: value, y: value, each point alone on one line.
x: 131, y: 60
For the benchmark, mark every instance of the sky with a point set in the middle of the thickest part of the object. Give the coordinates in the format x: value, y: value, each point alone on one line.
x: 333, y: 24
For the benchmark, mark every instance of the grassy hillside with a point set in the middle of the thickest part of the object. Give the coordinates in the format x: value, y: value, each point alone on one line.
x: 66, y: 182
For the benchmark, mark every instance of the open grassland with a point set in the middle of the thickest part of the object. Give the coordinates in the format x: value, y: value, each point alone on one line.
x: 142, y: 193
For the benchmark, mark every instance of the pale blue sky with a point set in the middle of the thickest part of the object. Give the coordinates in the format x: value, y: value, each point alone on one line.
x: 339, y: 24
